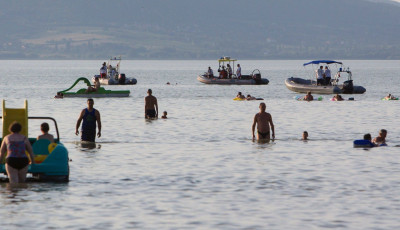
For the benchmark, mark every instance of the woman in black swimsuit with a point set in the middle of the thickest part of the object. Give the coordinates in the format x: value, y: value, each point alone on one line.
x: 14, y: 145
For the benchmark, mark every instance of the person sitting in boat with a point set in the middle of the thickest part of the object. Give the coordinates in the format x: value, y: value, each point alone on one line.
x: 103, y: 71
x: 229, y: 69
x: 337, y: 97
x: 223, y: 74
x: 210, y: 73
x: 389, y: 97
x: 59, y: 95
x: 239, y: 71
x: 95, y: 87
x: 327, y: 75
x: 308, y: 97
x: 250, y: 98
x: 240, y: 96
x: 320, y: 76
x: 381, y: 139
x: 44, y: 127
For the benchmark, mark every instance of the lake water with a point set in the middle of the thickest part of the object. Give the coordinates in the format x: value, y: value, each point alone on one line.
x: 199, y: 169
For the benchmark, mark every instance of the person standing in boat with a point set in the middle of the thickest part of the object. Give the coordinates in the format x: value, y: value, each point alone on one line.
x: 229, y: 70
x: 89, y: 116
x: 210, y: 73
x: 320, y: 76
x: 327, y: 75
x: 150, y: 105
x: 264, y: 123
x: 103, y: 71
x: 239, y: 71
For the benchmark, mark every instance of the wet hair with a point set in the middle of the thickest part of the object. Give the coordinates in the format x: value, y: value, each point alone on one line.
x: 44, y: 127
x: 367, y: 137
x: 15, y: 127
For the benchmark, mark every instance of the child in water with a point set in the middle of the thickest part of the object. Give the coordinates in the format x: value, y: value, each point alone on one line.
x: 164, y: 116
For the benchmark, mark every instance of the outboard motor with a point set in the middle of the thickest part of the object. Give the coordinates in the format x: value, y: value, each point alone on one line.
x: 121, y: 79
x: 348, y: 86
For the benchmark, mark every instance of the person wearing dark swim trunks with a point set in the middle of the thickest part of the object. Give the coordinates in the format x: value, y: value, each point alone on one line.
x: 150, y: 105
x: 89, y: 116
x: 15, y: 145
x: 263, y: 120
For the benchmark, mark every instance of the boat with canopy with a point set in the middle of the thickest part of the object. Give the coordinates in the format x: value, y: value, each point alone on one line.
x: 114, y: 76
x: 231, y: 78
x: 338, y: 71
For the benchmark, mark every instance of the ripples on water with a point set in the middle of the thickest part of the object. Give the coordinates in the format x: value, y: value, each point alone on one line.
x: 199, y: 169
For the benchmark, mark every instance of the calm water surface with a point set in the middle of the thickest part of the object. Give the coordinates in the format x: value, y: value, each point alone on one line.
x: 200, y: 169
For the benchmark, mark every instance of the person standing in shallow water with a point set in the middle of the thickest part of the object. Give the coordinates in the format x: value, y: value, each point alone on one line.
x: 14, y: 146
x: 89, y: 116
x: 264, y: 123
x: 150, y: 105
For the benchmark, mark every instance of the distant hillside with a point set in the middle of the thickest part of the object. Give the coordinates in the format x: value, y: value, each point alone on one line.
x: 206, y: 29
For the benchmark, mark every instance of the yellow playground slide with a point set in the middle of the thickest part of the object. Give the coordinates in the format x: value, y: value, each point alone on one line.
x: 11, y: 114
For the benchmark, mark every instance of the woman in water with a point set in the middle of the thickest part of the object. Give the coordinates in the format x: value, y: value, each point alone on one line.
x: 15, y: 145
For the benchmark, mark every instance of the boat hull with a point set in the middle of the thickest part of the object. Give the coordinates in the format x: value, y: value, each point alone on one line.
x: 110, y: 81
x: 233, y: 81
x: 300, y: 85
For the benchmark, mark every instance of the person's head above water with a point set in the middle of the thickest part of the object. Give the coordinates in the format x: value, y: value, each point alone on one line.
x: 305, y: 135
x: 367, y: 137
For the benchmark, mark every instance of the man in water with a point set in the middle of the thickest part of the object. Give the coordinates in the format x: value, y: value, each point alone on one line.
x: 89, y: 116
x: 150, y: 106
x: 264, y: 122
x: 305, y: 136
x: 381, y: 139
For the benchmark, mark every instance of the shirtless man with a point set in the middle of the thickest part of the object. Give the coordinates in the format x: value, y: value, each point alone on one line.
x: 263, y: 121
x: 381, y: 139
x: 150, y: 106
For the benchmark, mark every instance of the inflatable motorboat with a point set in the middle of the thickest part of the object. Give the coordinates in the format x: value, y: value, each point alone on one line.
x: 51, y: 159
x: 228, y: 77
x: 301, y: 85
x: 101, y: 92
x: 114, y: 76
